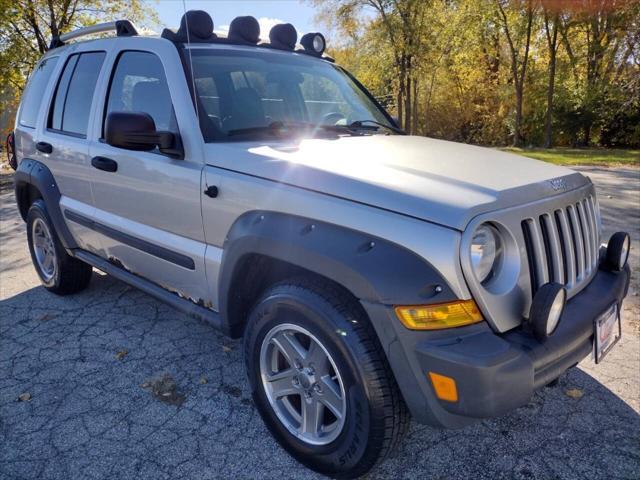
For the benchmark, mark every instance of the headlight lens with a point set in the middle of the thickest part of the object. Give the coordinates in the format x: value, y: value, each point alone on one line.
x: 485, y: 250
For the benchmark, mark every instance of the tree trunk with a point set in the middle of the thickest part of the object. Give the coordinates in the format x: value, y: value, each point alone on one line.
x: 548, y: 133
x: 414, y: 107
x: 517, y: 138
x: 587, y: 133
x: 407, y: 93
x: 552, y: 42
x: 401, y: 88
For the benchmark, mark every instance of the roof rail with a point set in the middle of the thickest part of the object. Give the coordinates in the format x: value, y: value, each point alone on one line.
x: 123, y: 28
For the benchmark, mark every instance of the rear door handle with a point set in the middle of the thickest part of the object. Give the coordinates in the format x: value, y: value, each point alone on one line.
x: 44, y: 147
x: 106, y: 164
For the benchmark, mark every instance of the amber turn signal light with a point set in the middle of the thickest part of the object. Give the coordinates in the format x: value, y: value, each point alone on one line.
x: 438, y: 316
x: 444, y: 386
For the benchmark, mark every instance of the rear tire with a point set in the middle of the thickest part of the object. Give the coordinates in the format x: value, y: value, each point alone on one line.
x: 59, y: 272
x: 309, y: 313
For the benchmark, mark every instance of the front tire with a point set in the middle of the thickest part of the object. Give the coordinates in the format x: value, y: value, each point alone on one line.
x: 59, y: 272
x: 320, y: 379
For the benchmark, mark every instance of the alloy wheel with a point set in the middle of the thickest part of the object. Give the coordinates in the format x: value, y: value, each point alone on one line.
x: 303, y: 384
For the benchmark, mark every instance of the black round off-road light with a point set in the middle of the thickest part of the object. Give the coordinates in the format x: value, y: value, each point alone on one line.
x: 314, y: 43
x: 618, y: 251
x: 283, y: 36
x: 546, y: 309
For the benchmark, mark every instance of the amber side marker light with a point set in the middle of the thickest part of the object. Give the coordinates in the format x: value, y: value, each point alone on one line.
x: 444, y: 386
x: 438, y: 316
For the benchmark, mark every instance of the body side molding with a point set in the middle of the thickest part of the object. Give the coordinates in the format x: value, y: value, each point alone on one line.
x: 151, y: 248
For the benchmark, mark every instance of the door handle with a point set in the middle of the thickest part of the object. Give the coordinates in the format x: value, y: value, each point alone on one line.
x: 106, y: 164
x: 44, y: 147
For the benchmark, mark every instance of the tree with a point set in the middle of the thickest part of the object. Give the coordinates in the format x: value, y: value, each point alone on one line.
x: 27, y: 26
x: 518, y: 60
x: 498, y: 71
x: 403, y: 22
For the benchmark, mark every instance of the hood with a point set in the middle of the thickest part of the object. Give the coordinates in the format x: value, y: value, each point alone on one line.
x: 434, y: 180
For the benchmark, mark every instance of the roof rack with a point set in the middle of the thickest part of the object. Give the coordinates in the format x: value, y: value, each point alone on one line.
x: 123, y: 28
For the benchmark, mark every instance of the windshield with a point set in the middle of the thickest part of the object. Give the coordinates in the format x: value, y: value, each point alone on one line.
x: 257, y: 93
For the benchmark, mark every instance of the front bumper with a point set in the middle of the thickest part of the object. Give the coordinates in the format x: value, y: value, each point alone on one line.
x: 494, y: 373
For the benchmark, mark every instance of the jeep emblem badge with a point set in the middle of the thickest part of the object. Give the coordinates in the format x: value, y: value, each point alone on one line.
x: 558, y: 184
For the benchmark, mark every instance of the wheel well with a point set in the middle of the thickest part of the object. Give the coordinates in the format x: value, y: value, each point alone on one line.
x: 26, y: 194
x: 252, y: 276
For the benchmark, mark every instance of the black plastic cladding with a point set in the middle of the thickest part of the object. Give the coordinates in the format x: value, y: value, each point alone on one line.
x: 372, y: 269
x: 32, y: 172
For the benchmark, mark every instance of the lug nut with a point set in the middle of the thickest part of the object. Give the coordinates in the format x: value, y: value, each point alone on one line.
x: 295, y: 381
x: 317, y: 388
x: 298, y: 365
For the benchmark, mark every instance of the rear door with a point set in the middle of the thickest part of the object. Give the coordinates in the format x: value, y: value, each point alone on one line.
x: 148, y: 212
x: 62, y: 140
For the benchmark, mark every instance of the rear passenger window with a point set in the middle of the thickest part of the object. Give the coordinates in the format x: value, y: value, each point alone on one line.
x: 140, y: 85
x: 74, y: 93
x: 35, y: 90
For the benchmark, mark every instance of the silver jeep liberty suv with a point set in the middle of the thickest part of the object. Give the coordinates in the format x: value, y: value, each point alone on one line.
x: 260, y: 187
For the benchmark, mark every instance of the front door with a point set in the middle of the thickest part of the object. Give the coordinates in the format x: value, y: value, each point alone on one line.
x: 148, y: 211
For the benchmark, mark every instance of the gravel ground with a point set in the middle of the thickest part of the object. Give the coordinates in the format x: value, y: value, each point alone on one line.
x: 91, y: 366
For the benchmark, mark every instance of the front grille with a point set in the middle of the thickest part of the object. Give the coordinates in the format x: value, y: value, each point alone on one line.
x: 562, y: 245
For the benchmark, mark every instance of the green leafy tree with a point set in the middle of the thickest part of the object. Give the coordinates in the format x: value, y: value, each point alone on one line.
x: 27, y: 26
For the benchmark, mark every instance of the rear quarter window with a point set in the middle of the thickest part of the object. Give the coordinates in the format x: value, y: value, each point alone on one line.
x: 32, y: 98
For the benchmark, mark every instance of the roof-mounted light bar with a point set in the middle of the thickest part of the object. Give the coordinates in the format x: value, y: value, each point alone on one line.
x: 123, y: 28
x: 314, y: 43
x: 196, y: 26
x: 283, y: 36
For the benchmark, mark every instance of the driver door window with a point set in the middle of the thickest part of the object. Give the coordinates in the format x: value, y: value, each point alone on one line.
x: 139, y: 85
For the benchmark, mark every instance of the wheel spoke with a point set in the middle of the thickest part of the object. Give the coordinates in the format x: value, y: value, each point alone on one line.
x: 281, y: 383
x: 38, y: 241
x: 317, y: 358
x: 289, y: 346
x: 311, y: 416
x: 48, y: 261
x: 330, y: 396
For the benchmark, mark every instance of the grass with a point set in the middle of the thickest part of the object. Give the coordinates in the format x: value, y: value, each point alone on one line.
x: 581, y: 156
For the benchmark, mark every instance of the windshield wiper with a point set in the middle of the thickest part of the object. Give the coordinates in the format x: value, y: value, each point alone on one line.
x: 273, y: 127
x: 361, y: 124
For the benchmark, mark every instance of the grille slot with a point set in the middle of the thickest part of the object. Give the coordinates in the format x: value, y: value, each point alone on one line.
x: 562, y: 245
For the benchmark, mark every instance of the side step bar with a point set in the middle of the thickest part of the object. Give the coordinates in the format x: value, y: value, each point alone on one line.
x: 182, y: 304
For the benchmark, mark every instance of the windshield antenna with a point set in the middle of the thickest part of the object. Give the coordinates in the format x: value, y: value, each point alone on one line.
x: 193, y: 80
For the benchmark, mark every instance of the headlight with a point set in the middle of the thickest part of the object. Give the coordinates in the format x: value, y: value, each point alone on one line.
x: 485, y: 251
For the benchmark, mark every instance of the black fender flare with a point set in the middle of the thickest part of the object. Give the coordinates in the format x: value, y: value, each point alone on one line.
x: 37, y: 175
x: 374, y: 270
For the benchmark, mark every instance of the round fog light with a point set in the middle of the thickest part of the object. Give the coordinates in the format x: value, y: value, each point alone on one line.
x: 618, y: 251
x: 546, y: 309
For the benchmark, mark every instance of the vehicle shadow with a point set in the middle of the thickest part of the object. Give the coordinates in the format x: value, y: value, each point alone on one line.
x: 86, y: 362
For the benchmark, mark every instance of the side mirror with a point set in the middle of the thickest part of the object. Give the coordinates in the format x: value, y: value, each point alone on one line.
x: 137, y: 131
